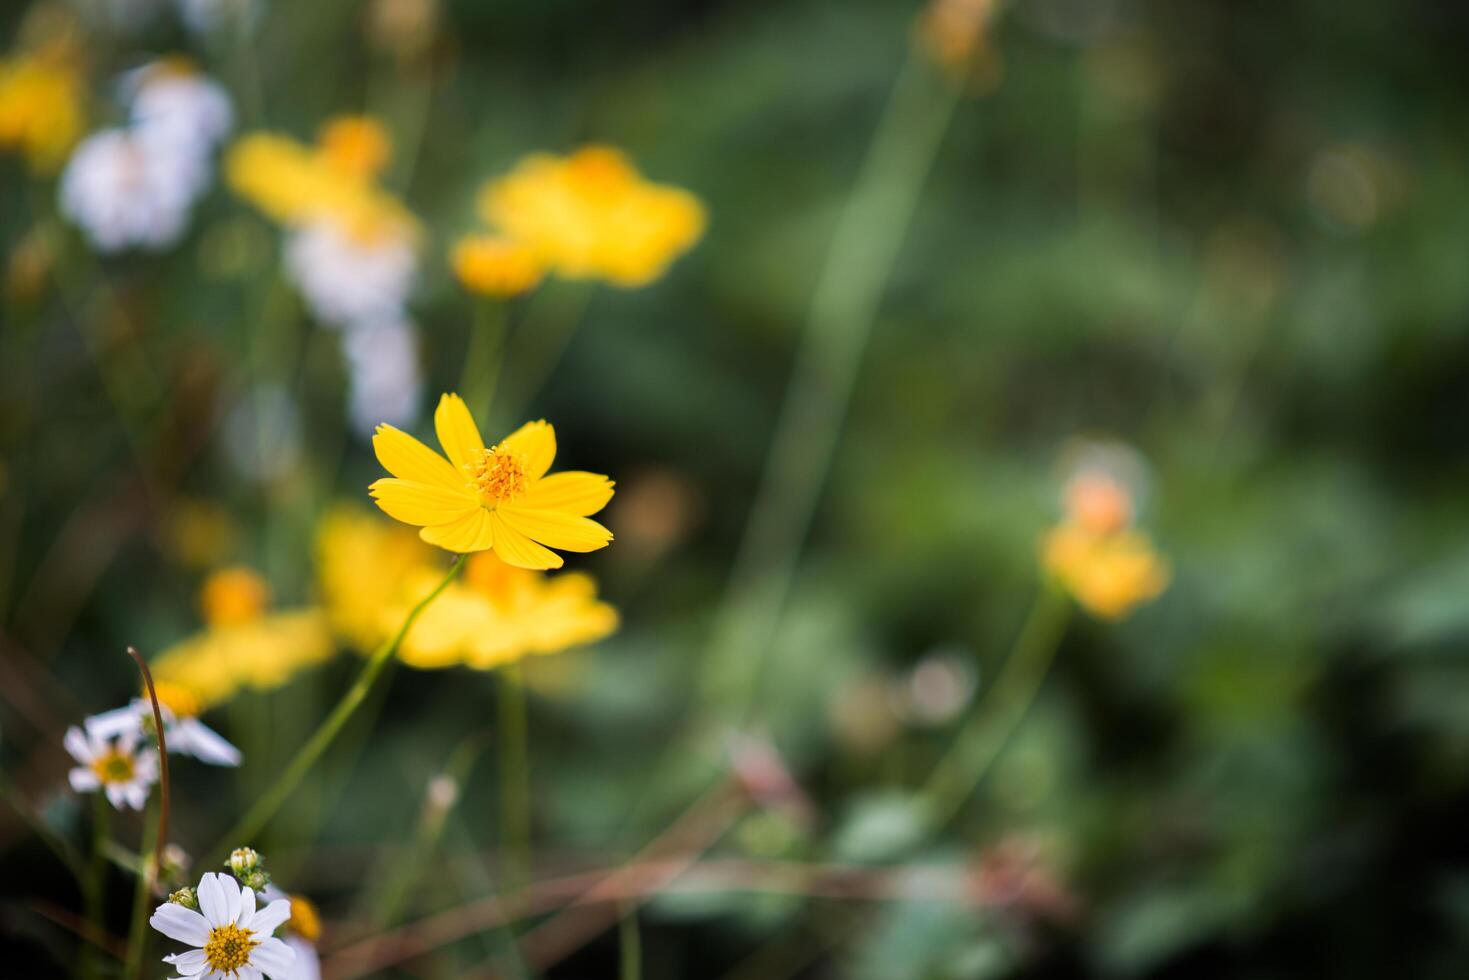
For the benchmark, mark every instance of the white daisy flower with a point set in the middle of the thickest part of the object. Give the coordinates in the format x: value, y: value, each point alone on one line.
x: 185, y: 735
x: 123, y: 194
x: 232, y: 939
x: 386, y: 384
x: 179, y: 110
x: 350, y: 279
x: 303, y: 917
x: 115, y: 766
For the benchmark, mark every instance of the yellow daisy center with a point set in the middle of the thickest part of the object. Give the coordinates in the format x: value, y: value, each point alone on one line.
x: 229, y: 948
x: 497, y: 476
x: 305, y: 921
x: 114, y: 766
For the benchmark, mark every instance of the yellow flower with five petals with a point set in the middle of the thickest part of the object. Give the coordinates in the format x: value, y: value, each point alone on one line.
x: 497, y: 497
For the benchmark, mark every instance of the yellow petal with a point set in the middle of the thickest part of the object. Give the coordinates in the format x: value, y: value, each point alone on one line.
x: 572, y: 492
x: 555, y: 529
x: 472, y: 532
x: 516, y: 549
x: 536, y: 441
x: 420, y: 503
x: 408, y: 459
x: 457, y: 432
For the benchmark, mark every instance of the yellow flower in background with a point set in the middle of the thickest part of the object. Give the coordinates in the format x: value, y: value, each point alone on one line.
x: 41, y: 105
x: 591, y: 215
x: 371, y: 572
x: 493, y: 265
x: 1109, y: 574
x: 295, y: 184
x: 242, y: 646
x: 496, y: 497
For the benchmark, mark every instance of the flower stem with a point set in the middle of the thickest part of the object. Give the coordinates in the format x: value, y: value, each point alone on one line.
x: 630, y: 944
x: 92, y: 889
x: 148, y: 855
x: 864, y: 247
x: 515, y: 858
x: 999, y: 710
x: 265, y: 807
x: 483, y: 356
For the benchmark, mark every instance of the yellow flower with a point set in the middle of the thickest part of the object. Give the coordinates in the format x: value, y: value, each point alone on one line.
x: 591, y: 215
x: 305, y: 920
x: 242, y: 645
x: 494, y: 265
x: 371, y: 572
x: 296, y: 184
x: 41, y: 108
x: 1108, y: 573
x: 497, y: 497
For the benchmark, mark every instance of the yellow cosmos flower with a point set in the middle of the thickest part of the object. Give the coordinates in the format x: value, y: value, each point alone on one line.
x: 493, y: 265
x: 296, y: 184
x: 496, y: 497
x: 495, y: 614
x: 1109, y: 574
x: 242, y: 646
x: 591, y: 215
x: 41, y: 106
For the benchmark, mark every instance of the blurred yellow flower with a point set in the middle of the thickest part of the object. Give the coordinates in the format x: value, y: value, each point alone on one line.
x: 591, y: 215
x: 296, y: 184
x: 1109, y: 574
x: 241, y: 646
x: 41, y: 105
x: 371, y: 572
x: 493, y: 265
x: 497, y: 497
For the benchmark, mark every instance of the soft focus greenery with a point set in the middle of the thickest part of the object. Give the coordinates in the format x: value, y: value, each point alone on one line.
x: 1229, y: 235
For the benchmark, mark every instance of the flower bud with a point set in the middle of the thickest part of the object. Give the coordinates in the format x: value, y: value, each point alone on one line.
x: 186, y: 898
x: 243, y: 860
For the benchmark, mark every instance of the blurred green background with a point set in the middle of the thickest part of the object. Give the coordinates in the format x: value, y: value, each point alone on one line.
x: 1229, y: 234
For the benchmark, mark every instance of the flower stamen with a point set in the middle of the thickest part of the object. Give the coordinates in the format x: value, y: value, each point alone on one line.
x: 114, y: 766
x: 228, y: 948
x: 497, y: 476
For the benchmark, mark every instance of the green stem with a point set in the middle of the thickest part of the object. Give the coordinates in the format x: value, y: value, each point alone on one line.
x: 483, y: 356
x: 92, y: 891
x: 142, y: 892
x: 542, y: 336
x: 630, y: 944
x: 255, y: 819
x: 864, y: 247
x: 515, y: 857
x: 1000, y: 708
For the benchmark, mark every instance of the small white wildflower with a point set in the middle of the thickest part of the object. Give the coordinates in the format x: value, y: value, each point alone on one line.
x: 185, y: 736
x: 125, y: 195
x: 115, y: 766
x: 349, y: 279
x: 385, y: 381
x: 231, y: 937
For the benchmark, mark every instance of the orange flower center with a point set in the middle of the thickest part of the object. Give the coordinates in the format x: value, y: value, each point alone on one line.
x: 228, y: 948
x: 305, y: 921
x: 114, y: 766
x: 498, y: 475
x: 183, y: 702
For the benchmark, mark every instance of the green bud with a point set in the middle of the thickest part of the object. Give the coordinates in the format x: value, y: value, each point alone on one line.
x: 186, y: 898
x: 243, y: 860
x: 255, y: 879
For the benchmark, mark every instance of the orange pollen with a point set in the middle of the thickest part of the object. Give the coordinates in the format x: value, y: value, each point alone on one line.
x: 497, y: 476
x: 228, y: 948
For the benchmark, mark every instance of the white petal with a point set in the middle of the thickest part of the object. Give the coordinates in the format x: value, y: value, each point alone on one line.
x: 275, y: 958
x: 270, y: 918
x: 190, y: 963
x: 212, y: 900
x: 247, y: 972
x: 110, y: 724
x: 77, y: 744
x: 83, y: 780
x: 177, y: 922
x: 231, y: 894
x: 247, y: 908
x: 116, y: 795
x: 137, y: 794
x: 308, y: 964
x: 203, y: 743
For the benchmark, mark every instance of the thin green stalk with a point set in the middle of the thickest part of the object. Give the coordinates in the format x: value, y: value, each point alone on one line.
x: 1000, y: 708
x: 255, y: 819
x: 541, y: 338
x: 630, y: 945
x: 142, y: 892
x: 864, y: 247
x: 483, y: 356
x: 92, y: 891
x: 515, y: 856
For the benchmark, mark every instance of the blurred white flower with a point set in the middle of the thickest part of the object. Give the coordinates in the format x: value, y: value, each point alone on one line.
x: 178, y: 109
x: 184, y: 736
x: 124, y: 195
x: 117, y: 766
x: 386, y: 384
x: 351, y: 279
